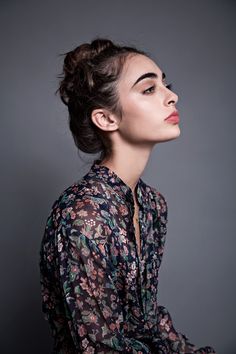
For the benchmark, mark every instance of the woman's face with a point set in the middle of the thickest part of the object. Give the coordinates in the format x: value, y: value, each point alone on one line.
x: 145, y: 104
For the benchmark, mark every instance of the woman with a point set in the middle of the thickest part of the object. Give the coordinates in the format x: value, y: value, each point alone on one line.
x: 105, y: 235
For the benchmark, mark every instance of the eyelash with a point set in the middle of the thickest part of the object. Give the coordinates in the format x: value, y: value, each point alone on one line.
x: 169, y: 86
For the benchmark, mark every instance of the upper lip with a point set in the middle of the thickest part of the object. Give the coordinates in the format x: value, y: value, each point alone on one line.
x: 174, y: 113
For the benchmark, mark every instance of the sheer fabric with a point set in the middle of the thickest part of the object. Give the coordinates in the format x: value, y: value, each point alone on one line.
x: 98, y: 294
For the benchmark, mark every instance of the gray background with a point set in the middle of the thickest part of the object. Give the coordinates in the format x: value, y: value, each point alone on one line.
x: 194, y: 43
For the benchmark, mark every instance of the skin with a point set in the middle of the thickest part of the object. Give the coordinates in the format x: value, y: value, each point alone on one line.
x: 143, y: 121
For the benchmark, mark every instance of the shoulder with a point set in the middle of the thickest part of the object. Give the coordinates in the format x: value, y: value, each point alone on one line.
x: 81, y: 210
x: 81, y: 194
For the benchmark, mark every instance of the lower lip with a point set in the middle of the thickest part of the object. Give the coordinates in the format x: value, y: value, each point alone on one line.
x: 173, y: 119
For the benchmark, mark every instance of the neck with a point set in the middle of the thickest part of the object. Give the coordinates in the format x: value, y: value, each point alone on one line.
x: 128, y: 165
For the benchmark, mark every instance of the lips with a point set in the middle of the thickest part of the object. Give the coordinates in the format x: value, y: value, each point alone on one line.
x: 173, y: 117
x: 174, y: 113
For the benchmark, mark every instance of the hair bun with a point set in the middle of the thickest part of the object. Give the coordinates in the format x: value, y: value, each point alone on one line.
x: 100, y: 45
x: 78, y: 64
x: 85, y: 51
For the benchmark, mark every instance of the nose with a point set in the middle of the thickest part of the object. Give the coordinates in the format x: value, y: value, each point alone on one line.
x: 172, y: 98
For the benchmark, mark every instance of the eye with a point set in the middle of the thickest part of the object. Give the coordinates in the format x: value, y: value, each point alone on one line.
x: 151, y: 89
x: 147, y: 90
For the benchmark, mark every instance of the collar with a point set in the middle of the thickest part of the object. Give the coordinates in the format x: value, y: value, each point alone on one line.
x: 118, y: 185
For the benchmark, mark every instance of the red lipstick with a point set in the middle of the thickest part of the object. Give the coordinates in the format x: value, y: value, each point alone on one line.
x: 173, y: 117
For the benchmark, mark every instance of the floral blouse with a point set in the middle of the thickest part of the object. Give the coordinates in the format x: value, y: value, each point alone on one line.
x: 98, y: 294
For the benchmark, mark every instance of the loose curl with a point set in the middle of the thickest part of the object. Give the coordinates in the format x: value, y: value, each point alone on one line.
x: 89, y: 81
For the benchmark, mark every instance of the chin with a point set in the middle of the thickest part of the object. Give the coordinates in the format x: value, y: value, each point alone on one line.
x: 171, y: 136
x: 176, y: 132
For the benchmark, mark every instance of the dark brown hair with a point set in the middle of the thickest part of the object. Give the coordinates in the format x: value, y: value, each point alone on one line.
x: 89, y: 80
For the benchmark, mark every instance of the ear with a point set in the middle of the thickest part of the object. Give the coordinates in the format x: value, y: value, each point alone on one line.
x: 104, y: 119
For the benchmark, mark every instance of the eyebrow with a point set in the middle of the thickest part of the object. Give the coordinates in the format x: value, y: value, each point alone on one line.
x: 146, y: 75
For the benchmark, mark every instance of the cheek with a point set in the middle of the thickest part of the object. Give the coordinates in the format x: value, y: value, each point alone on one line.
x: 142, y: 113
x: 139, y: 123
x: 144, y: 102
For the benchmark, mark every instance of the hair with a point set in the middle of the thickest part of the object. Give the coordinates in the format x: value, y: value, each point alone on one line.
x: 89, y: 80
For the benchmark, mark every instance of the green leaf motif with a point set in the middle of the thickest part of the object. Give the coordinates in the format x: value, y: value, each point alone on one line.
x: 78, y: 222
x: 78, y: 290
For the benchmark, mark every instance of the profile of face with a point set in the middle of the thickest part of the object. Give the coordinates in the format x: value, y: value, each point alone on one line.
x: 145, y: 102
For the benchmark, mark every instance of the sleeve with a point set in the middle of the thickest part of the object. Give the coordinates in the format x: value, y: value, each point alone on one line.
x: 176, y: 342
x: 92, y: 304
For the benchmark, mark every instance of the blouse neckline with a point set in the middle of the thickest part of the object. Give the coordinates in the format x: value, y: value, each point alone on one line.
x: 117, y: 184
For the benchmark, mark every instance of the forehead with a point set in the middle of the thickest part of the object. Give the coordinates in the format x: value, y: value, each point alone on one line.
x: 135, y: 66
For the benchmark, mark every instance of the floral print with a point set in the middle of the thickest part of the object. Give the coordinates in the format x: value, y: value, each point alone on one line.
x: 98, y: 294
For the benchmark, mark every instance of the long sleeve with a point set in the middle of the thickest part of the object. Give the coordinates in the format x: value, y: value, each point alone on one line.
x: 92, y: 303
x: 175, y: 341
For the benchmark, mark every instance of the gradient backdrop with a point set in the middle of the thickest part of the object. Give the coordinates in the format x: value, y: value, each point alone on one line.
x: 193, y: 42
